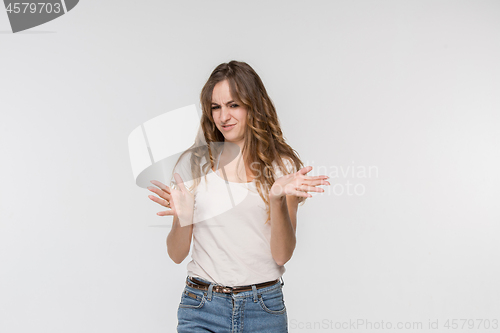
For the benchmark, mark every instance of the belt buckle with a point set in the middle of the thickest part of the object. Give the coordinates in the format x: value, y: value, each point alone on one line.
x: 227, y: 290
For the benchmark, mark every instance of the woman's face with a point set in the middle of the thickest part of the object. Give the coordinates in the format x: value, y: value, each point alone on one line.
x: 227, y: 111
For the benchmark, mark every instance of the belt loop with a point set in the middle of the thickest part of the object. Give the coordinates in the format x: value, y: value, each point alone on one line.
x: 282, y: 281
x: 210, y: 291
x: 254, y: 289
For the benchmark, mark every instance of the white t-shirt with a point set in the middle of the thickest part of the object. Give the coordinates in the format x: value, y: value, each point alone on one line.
x: 231, y: 243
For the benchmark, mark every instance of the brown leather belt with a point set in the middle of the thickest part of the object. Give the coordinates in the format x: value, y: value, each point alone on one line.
x: 226, y: 290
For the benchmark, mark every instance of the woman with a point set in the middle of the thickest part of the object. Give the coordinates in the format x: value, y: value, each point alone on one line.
x: 239, y: 208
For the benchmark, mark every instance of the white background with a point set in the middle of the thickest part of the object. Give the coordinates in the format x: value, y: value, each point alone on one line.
x: 410, y: 87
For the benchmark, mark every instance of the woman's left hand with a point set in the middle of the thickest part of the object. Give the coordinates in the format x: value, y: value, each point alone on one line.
x: 297, y: 184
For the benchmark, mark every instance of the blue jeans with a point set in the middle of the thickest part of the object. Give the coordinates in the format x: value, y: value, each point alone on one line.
x: 257, y: 310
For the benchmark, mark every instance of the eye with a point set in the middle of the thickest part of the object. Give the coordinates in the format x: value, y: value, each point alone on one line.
x: 215, y: 107
x: 234, y: 105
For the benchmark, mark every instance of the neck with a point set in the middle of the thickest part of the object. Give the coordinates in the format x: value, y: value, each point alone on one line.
x: 232, y: 149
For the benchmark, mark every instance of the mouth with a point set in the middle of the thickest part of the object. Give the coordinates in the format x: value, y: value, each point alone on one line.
x: 228, y: 127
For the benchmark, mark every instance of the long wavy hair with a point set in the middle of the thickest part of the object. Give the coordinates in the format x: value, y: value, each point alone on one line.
x: 264, y: 141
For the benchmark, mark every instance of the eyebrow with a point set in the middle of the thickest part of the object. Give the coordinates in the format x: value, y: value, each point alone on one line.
x: 231, y: 101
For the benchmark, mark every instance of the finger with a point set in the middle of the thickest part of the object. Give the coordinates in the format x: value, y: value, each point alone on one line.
x: 166, y: 213
x: 160, y: 193
x: 316, y: 177
x: 310, y: 188
x: 180, y: 182
x: 162, y: 202
x: 172, y: 203
x: 305, y: 170
x: 161, y: 185
x: 302, y: 194
x: 316, y: 182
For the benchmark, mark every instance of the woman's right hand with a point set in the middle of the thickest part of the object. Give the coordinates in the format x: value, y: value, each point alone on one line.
x: 180, y: 202
x: 165, y: 197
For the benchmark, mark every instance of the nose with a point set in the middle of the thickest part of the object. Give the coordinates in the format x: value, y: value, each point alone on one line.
x: 225, y: 114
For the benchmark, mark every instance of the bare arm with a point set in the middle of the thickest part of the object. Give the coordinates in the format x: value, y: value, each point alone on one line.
x: 179, y: 237
x: 179, y: 241
x: 283, y: 226
x: 284, y: 200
